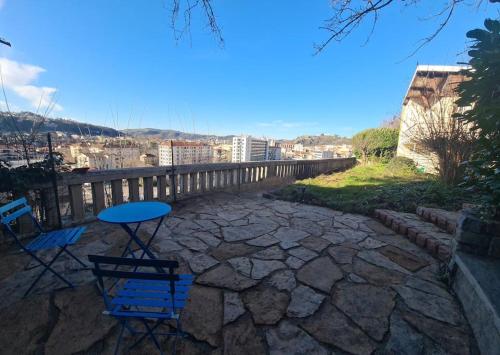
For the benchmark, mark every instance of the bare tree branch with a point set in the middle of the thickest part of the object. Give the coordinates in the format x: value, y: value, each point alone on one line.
x: 182, y: 28
x: 350, y: 14
x: 449, y: 10
x: 347, y: 18
x: 436, y: 134
x: 4, y: 41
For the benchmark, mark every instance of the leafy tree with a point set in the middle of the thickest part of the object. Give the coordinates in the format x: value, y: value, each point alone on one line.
x: 375, y: 142
x: 482, y: 95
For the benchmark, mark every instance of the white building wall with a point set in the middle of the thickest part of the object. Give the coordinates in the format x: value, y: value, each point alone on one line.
x: 326, y: 154
x: 410, y: 115
x: 247, y: 148
x: 184, y: 154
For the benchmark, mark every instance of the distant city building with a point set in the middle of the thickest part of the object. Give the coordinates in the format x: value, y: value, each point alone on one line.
x: 222, y: 153
x: 285, y: 146
x: 7, y: 153
x: 149, y: 159
x: 298, y: 147
x: 97, y: 161
x: 325, y: 154
x: 247, y: 148
x: 128, y: 154
x: 15, y: 157
x: 274, y: 153
x: 184, y: 152
x: 343, y: 151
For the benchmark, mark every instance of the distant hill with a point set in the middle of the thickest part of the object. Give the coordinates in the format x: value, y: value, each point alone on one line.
x: 169, y: 134
x: 26, y: 120
x: 322, y: 139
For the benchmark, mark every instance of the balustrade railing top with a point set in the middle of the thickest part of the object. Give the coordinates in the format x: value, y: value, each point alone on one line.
x: 83, y: 195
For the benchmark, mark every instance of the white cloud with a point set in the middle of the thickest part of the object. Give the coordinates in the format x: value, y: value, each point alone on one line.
x: 19, y: 78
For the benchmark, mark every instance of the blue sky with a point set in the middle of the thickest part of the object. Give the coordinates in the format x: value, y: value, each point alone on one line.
x: 116, y: 63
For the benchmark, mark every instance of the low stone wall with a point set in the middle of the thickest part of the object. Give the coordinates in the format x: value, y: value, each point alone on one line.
x: 476, y: 236
x: 476, y: 282
x: 475, y: 267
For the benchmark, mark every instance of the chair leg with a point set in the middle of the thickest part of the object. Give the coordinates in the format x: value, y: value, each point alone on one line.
x: 117, y: 346
x: 27, y: 267
x: 149, y: 331
x: 152, y: 336
x: 74, y: 257
x: 179, y: 327
x: 47, y: 267
x: 138, y: 341
x: 178, y: 332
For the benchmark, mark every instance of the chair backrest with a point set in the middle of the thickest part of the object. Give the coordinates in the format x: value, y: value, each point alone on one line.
x: 100, y: 272
x: 12, y: 211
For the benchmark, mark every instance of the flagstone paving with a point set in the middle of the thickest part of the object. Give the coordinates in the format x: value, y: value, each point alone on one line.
x: 272, y: 277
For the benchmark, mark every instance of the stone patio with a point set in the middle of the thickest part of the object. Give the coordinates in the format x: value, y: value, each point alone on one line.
x: 272, y: 277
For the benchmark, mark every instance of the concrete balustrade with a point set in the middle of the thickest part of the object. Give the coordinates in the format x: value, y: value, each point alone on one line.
x: 84, y: 195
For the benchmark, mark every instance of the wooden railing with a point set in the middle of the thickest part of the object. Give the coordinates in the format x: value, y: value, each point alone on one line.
x: 82, y: 196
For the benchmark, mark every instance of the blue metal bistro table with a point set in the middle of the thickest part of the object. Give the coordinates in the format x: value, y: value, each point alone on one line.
x: 136, y: 213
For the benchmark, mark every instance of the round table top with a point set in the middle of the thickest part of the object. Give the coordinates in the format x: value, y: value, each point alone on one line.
x: 134, y: 212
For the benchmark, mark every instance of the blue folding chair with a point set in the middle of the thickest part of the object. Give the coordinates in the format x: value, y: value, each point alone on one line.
x: 143, y: 296
x: 42, y: 241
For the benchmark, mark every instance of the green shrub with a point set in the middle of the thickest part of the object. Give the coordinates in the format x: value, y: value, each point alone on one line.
x: 376, y: 143
x: 481, y: 94
x: 401, y: 164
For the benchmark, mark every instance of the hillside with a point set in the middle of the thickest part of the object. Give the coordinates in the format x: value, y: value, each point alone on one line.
x: 169, y: 134
x: 322, y: 139
x: 27, y: 120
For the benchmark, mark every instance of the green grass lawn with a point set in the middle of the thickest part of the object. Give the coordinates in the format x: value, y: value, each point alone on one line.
x: 364, y: 188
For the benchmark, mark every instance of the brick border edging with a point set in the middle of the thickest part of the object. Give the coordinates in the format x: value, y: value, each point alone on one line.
x: 435, y: 247
x: 430, y: 215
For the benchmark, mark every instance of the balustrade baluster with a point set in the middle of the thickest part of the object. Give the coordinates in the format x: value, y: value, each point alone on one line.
x: 148, y: 188
x: 98, y: 203
x: 76, y: 201
x: 161, y: 187
x: 117, y: 192
x: 133, y: 189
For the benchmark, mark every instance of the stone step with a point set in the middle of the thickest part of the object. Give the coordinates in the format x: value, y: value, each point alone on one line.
x: 424, y: 234
x: 446, y: 220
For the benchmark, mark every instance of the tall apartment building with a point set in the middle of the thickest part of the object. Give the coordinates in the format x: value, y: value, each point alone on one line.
x: 184, y: 153
x: 274, y: 152
x: 247, y: 148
